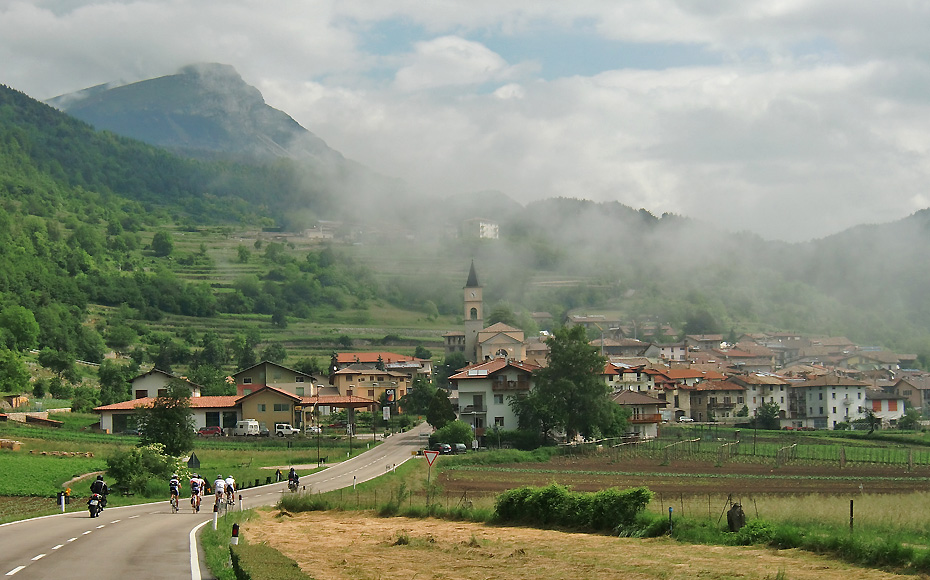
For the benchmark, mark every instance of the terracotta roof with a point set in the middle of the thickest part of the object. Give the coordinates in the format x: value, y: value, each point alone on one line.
x: 353, y: 370
x: 627, y: 397
x: 718, y: 386
x: 483, y: 370
x: 224, y: 401
x: 759, y: 379
x: 337, y: 401
x: 345, y: 358
x: 830, y: 381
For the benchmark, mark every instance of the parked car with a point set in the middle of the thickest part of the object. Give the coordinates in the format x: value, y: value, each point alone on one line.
x: 214, y: 431
x: 459, y: 448
x: 282, y: 429
x: 314, y: 429
x: 442, y: 448
x: 684, y: 419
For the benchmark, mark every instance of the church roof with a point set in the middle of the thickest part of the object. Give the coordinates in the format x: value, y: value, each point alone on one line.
x: 472, y: 277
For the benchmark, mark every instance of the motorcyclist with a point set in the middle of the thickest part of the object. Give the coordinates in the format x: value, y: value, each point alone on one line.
x: 99, y: 486
x: 292, y: 479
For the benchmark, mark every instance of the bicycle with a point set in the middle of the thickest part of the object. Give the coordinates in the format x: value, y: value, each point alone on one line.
x: 230, y: 497
x: 174, y: 504
x: 220, y: 504
x: 195, y: 503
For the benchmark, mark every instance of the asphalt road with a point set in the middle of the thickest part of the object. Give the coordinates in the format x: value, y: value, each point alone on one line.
x: 148, y: 541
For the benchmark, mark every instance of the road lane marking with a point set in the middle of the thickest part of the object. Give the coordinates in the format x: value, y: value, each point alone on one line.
x: 87, y: 532
x: 131, y: 517
x: 116, y: 521
x: 101, y: 526
x: 58, y: 546
x: 195, y: 556
x: 72, y: 539
x: 15, y: 570
x: 39, y: 557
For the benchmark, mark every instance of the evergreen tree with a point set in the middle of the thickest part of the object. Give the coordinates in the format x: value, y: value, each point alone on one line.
x: 440, y: 412
x: 169, y: 420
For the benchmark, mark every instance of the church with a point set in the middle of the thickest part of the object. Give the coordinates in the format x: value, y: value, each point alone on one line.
x: 479, y: 343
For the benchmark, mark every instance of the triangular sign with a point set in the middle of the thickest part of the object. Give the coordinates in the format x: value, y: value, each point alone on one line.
x: 430, y: 456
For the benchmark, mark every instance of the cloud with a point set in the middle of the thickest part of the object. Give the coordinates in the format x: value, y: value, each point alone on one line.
x: 799, y: 119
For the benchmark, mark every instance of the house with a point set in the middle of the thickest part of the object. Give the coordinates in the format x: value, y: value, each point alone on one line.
x: 267, y: 373
x: 154, y: 383
x: 866, y: 360
x: 206, y: 411
x: 485, y: 389
x: 644, y: 412
x: 823, y: 402
x: 886, y: 406
x: 677, y: 351
x: 624, y: 347
x: 703, y: 341
x: 364, y: 381
x: 412, y: 366
x: 764, y: 388
x: 712, y: 400
x: 481, y: 228
x: 915, y: 390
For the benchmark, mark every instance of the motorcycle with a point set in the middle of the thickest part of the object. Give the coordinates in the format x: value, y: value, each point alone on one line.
x: 95, y: 505
x: 292, y: 485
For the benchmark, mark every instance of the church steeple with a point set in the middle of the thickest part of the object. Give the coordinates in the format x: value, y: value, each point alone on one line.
x: 473, y: 315
x: 472, y: 277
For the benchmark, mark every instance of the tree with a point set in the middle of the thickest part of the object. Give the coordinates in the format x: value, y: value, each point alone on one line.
x: 449, y: 367
x: 767, y: 416
x: 114, y: 381
x: 275, y: 352
x: 421, y: 352
x: 569, y: 393
x: 872, y: 420
x: 18, y: 328
x: 61, y: 363
x: 454, y: 432
x: 243, y: 254
x: 169, y: 420
x: 502, y: 312
x: 162, y: 245
x: 440, y: 412
x: 14, y: 377
x: 911, y: 420
x: 418, y: 397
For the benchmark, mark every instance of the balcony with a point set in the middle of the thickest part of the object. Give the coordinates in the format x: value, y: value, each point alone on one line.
x: 640, y: 419
x: 473, y: 410
x: 510, y: 386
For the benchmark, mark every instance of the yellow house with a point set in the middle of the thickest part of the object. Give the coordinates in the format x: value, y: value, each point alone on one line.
x: 269, y: 405
x: 370, y: 383
x: 272, y: 374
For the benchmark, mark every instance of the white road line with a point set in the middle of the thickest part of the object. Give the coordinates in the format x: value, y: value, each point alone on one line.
x: 87, y: 532
x: 195, y: 557
x: 58, y: 546
x: 116, y: 521
x: 101, y: 526
x: 131, y: 517
x: 39, y: 557
x: 15, y: 570
x: 71, y: 539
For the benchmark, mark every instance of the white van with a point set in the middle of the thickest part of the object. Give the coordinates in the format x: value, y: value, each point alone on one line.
x: 246, y: 427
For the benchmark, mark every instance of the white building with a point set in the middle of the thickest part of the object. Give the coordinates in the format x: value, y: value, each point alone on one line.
x: 824, y: 401
x: 484, y: 392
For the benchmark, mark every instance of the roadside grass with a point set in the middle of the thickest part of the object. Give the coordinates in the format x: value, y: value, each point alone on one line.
x: 216, y: 543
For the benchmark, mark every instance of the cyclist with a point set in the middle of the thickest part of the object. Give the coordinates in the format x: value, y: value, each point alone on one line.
x: 174, y: 487
x: 219, y: 488
x: 197, y: 486
x: 230, y: 490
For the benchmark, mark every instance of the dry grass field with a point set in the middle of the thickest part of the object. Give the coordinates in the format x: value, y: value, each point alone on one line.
x: 360, y: 546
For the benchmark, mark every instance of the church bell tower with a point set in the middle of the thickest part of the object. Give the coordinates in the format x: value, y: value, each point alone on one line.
x: 474, y: 315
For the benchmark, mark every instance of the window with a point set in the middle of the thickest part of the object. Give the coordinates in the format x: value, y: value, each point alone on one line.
x: 498, y: 399
x: 300, y: 391
x: 247, y: 381
x: 299, y: 380
x: 834, y: 395
x: 380, y: 378
x: 162, y: 392
x: 261, y: 407
x: 282, y: 406
x: 892, y: 405
x: 820, y: 396
x: 498, y: 421
x: 782, y: 400
x: 834, y: 410
x: 821, y: 410
x: 859, y: 395
x: 371, y: 393
x: 212, y: 418
x: 876, y: 405
x: 141, y: 393
x: 739, y: 400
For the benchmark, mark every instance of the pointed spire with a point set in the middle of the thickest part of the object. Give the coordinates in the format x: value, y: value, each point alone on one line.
x: 472, y: 277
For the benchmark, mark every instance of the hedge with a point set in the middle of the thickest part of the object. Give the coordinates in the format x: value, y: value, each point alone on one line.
x: 605, y: 510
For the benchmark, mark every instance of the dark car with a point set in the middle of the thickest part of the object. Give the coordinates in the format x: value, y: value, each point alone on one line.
x: 214, y: 431
x: 459, y: 448
x: 443, y: 448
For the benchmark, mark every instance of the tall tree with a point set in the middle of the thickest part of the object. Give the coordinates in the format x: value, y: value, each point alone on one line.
x: 169, y: 420
x: 14, y: 377
x: 18, y: 328
x: 114, y: 381
x: 440, y: 412
x: 568, y: 392
x: 418, y: 397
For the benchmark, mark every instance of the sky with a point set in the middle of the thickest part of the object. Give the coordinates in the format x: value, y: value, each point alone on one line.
x: 791, y: 119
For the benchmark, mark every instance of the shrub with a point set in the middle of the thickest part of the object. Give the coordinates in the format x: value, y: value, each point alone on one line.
x: 606, y: 510
x: 303, y: 502
x: 134, y: 468
x: 756, y: 532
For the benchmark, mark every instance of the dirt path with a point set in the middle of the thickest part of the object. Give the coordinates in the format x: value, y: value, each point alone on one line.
x: 359, y: 546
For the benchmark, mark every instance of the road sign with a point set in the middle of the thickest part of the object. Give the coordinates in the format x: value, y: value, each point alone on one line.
x: 430, y: 456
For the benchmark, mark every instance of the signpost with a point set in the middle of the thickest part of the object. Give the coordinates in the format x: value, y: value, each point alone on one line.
x: 430, y: 458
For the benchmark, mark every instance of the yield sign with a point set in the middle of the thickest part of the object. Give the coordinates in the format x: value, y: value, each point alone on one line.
x: 430, y: 456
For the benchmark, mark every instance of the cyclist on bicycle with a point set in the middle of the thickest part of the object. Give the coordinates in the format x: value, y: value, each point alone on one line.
x: 197, y: 486
x: 230, y: 490
x: 174, y: 487
x: 219, y: 488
